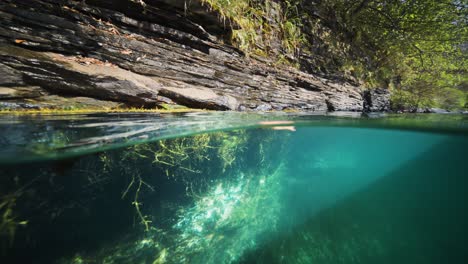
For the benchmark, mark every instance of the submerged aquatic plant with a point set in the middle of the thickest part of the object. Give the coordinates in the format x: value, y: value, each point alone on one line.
x: 230, y: 218
x: 139, y: 183
x: 231, y: 191
x: 224, y: 175
x: 9, y: 221
x: 185, y: 159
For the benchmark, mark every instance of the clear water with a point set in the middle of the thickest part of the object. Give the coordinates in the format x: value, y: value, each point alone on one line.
x: 233, y: 188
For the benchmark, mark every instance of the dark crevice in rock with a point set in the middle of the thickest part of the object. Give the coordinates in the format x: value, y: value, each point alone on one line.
x: 330, y: 107
x: 308, y: 86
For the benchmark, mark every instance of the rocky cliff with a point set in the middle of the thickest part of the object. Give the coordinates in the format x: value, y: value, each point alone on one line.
x: 56, y: 53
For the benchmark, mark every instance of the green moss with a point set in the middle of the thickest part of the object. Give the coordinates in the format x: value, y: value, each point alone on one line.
x: 174, y: 107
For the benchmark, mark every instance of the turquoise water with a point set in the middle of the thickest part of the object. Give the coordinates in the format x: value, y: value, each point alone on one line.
x: 233, y: 188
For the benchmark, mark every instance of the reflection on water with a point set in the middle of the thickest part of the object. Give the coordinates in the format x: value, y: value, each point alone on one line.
x: 248, y: 190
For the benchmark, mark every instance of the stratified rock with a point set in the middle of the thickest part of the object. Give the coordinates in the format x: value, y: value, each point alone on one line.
x: 22, y: 92
x: 343, y: 97
x: 376, y: 100
x: 200, y: 97
x: 16, y: 106
x: 146, y: 56
x: 9, y: 76
x: 263, y: 107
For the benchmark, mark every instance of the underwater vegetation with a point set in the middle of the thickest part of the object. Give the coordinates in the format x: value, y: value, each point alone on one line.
x: 332, y: 190
x: 182, y: 159
x: 9, y: 223
x: 177, y: 197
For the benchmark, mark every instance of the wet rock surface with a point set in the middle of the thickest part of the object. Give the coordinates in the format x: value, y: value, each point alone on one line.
x: 376, y: 100
x: 432, y: 110
x: 147, y: 56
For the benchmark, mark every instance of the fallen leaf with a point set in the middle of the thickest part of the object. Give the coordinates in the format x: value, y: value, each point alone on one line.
x: 126, y: 52
x: 279, y: 122
x: 288, y: 128
x: 19, y: 41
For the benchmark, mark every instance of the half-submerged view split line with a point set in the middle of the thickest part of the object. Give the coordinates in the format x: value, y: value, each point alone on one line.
x: 233, y: 131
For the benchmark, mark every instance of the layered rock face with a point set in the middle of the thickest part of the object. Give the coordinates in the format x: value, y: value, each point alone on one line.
x: 144, y: 54
x: 376, y: 100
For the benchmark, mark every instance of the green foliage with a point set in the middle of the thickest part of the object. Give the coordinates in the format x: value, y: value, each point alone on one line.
x: 417, y: 48
x: 244, y: 15
x: 451, y: 98
x: 262, y: 27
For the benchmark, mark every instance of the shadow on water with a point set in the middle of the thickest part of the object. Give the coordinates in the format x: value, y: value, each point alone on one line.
x: 416, y: 213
